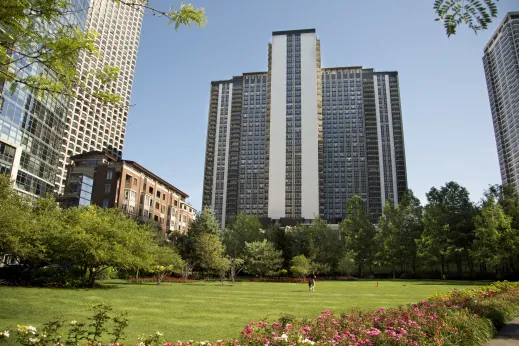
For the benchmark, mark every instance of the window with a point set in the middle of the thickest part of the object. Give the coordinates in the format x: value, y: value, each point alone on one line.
x: 135, y: 181
x: 151, y: 190
x: 107, y: 188
x: 128, y: 179
x: 109, y: 175
x: 157, y: 205
x: 158, y: 194
x: 105, y: 203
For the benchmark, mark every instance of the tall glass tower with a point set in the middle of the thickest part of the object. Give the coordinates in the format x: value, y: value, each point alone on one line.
x: 32, y: 128
x: 501, y: 63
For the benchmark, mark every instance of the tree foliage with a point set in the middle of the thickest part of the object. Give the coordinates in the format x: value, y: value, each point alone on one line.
x: 244, y: 229
x: 39, y: 45
x: 477, y: 15
x: 358, y: 233
x: 301, y: 266
x: 262, y: 258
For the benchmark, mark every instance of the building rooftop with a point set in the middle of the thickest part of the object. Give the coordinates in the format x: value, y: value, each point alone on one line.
x: 135, y: 164
x: 291, y: 32
x: 508, y: 16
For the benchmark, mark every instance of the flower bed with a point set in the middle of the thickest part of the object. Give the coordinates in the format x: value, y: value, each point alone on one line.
x: 153, y: 279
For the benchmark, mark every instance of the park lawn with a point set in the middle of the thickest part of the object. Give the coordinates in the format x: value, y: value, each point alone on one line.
x: 206, y: 310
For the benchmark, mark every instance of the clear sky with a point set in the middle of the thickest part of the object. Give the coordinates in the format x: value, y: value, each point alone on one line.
x: 447, y: 121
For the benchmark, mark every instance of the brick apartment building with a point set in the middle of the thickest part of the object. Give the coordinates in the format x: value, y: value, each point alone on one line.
x: 99, y: 178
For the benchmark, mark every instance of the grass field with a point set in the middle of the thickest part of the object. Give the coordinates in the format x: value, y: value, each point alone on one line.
x: 206, y: 310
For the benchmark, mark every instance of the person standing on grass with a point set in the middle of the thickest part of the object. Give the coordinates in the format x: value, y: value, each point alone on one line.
x: 311, y: 282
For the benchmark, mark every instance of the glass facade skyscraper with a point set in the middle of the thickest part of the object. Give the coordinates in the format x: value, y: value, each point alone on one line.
x: 501, y: 64
x: 303, y: 139
x: 32, y: 128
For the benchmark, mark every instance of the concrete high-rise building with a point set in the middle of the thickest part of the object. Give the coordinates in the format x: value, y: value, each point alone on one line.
x: 501, y: 63
x: 32, y: 128
x: 296, y: 142
x: 91, y: 124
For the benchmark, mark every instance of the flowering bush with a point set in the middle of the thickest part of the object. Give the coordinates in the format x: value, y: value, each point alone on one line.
x: 467, y: 317
x: 164, y: 279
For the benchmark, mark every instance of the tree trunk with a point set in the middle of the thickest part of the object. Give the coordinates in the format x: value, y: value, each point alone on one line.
x: 91, y: 277
x: 233, y: 273
x: 394, y: 273
x: 442, y: 266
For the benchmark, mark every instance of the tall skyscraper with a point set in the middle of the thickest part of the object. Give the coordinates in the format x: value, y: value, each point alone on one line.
x: 32, y: 128
x: 296, y: 142
x: 501, y: 63
x: 91, y: 124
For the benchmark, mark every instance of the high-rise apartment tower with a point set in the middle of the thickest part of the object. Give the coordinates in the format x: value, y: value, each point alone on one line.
x: 91, y: 124
x: 296, y: 142
x: 501, y: 63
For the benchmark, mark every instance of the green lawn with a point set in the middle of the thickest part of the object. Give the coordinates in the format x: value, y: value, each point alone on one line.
x: 206, y: 310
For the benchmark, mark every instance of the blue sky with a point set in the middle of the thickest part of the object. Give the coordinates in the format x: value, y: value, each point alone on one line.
x: 447, y: 121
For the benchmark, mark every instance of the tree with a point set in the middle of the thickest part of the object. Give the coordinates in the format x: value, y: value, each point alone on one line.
x: 301, y: 266
x: 245, y: 228
x: 324, y: 246
x: 473, y: 13
x: 262, y: 258
x: 16, y: 236
x: 210, y: 254
x: 166, y: 260
x: 347, y: 264
x: 496, y: 242
x: 410, y: 216
x: 358, y: 233
x: 37, y: 33
x: 448, y: 227
x: 205, y: 223
x: 388, y: 238
x: 399, y: 228
x: 507, y: 197
x: 100, y: 238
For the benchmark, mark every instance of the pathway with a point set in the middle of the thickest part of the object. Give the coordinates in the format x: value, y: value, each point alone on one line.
x: 508, y: 335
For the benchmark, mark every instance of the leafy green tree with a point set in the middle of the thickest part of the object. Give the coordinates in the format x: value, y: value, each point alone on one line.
x: 245, y: 228
x: 410, y: 223
x: 358, y: 233
x: 301, y: 266
x: 166, y: 260
x: 15, y: 224
x: 100, y: 238
x: 389, y: 237
x: 26, y: 41
x: 496, y: 242
x: 205, y: 223
x: 347, y: 264
x: 473, y: 13
x: 448, y: 227
x: 324, y: 246
x: 507, y: 197
x: 210, y: 253
x: 262, y: 258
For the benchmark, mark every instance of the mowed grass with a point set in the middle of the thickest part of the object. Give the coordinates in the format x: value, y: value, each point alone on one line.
x: 207, y: 310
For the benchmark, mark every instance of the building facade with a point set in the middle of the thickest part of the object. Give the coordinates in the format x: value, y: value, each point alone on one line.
x: 92, y: 125
x: 303, y: 139
x: 32, y: 127
x: 97, y: 178
x: 501, y: 64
